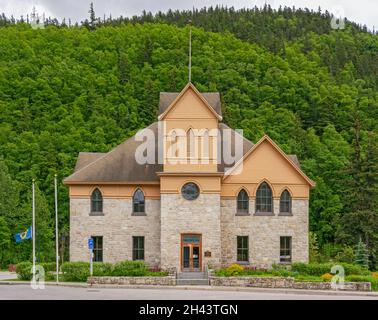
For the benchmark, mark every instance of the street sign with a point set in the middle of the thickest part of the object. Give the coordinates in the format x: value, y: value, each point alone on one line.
x: 90, y: 244
x: 90, y: 247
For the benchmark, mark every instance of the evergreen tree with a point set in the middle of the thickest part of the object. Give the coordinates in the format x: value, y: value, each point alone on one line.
x: 5, y: 240
x: 362, y: 255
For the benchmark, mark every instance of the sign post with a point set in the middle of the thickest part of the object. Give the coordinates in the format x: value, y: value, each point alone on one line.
x: 90, y: 247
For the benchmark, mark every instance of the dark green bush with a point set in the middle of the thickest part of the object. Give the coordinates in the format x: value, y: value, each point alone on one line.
x: 48, y: 266
x: 79, y: 271
x: 318, y: 269
x: 23, y: 270
x: 130, y: 269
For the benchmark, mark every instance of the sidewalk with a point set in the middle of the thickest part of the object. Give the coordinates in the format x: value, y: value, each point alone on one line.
x: 202, y: 288
x: 6, y: 275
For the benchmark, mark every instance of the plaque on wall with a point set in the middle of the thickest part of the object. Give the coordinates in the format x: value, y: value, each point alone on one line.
x: 207, y: 254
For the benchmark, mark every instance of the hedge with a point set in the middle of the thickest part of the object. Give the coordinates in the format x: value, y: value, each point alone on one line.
x: 79, y: 271
x: 318, y: 269
x: 23, y: 270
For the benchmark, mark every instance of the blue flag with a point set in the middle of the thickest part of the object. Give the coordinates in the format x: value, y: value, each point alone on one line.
x: 24, y: 235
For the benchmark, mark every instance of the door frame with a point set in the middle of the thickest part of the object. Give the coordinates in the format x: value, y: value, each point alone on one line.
x: 182, y: 250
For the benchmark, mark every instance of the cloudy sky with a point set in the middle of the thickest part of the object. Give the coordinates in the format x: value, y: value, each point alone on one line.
x: 361, y: 11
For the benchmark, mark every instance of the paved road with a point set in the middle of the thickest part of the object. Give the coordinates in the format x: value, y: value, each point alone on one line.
x: 25, y: 292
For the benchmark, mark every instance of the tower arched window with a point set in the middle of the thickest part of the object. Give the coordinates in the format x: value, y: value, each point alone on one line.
x: 138, y: 202
x: 190, y: 143
x: 242, y: 202
x: 264, y: 199
x: 96, y: 201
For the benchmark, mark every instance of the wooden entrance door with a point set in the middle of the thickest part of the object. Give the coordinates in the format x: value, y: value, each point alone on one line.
x: 191, y: 252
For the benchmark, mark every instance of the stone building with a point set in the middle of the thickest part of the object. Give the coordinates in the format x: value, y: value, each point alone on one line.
x: 171, y: 196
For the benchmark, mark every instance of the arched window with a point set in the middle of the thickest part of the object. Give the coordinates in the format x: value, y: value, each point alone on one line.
x: 138, y: 201
x: 285, y: 202
x: 264, y: 199
x: 242, y: 202
x: 96, y: 201
x: 174, y: 142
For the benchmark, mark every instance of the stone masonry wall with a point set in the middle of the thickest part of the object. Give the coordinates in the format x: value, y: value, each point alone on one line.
x: 264, y: 232
x: 179, y: 216
x: 117, y: 226
x: 132, y: 281
x: 284, y: 282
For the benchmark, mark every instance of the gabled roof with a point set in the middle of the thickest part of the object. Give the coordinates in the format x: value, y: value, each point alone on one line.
x: 86, y: 158
x: 292, y: 159
x: 119, y: 165
x: 170, y: 99
x: 116, y: 166
x: 213, y: 98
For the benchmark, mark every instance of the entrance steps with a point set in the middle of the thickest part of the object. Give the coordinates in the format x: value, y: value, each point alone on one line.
x: 192, y: 279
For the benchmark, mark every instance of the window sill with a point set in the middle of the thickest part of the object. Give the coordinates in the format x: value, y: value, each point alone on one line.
x: 99, y: 214
x: 243, y: 263
x: 262, y: 214
x: 285, y: 214
x: 138, y: 214
x: 242, y: 214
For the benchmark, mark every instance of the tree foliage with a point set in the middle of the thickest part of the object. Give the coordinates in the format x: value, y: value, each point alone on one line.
x: 71, y: 88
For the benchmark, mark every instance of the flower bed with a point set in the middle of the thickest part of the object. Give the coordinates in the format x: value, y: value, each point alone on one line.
x: 299, y: 276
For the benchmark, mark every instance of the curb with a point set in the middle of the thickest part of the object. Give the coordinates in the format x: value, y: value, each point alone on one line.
x: 201, y: 288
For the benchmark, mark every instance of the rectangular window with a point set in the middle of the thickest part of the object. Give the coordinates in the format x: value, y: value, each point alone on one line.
x: 138, y: 248
x: 97, y: 249
x: 242, y: 248
x: 285, y: 249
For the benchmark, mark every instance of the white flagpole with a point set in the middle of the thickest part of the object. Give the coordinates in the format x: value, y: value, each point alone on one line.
x: 33, y: 227
x: 190, y: 51
x: 56, y: 229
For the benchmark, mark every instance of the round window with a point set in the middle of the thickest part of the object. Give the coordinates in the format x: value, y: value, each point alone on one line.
x: 190, y: 191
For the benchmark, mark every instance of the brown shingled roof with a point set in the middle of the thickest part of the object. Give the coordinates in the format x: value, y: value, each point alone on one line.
x: 212, y: 98
x: 119, y: 165
x: 116, y: 166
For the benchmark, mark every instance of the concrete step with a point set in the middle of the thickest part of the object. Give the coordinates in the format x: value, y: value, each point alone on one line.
x: 192, y: 282
x: 191, y: 275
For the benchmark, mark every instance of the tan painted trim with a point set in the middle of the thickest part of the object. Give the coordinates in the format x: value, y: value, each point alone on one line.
x: 285, y: 188
x: 193, y: 174
x: 116, y: 197
x: 112, y: 183
x: 267, y: 138
x: 254, y: 197
x: 261, y: 182
x: 191, y: 86
x: 242, y: 188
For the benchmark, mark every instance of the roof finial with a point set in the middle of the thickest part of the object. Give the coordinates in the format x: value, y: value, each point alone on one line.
x: 190, y: 50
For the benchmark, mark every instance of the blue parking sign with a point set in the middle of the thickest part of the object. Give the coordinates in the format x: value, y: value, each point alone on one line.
x: 90, y: 244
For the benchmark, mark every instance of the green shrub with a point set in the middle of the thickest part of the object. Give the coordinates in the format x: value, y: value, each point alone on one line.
x: 23, y: 270
x: 48, y: 266
x: 79, y: 271
x: 131, y: 269
x: 318, y: 269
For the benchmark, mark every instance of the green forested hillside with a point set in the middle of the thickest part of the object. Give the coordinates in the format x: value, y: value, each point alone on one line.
x: 87, y: 88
